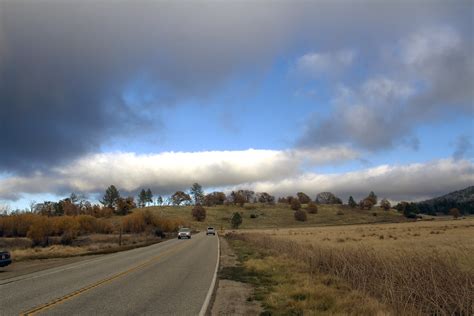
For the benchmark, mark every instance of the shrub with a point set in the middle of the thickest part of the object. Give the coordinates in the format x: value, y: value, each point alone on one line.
x: 236, y: 220
x: 295, y: 204
x: 39, y: 231
x: 385, y: 204
x: 134, y: 223
x: 366, y: 203
x: 454, y: 212
x: 339, y: 212
x: 199, y: 213
x: 300, y: 215
x: 253, y: 215
x: 312, y: 208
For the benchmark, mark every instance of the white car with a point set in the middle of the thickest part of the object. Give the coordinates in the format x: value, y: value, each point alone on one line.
x: 184, y: 233
x: 211, y: 231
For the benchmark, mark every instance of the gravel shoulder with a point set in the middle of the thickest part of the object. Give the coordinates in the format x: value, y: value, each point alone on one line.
x: 231, y: 296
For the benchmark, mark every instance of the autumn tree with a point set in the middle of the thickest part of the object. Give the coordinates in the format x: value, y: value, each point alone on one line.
x: 199, y: 213
x: 111, y: 197
x: 197, y: 193
x: 366, y: 204
x: 239, y: 197
x: 295, y: 204
x: 312, y: 208
x: 214, y: 198
x: 351, y: 202
x: 454, y: 212
x: 385, y: 204
x: 327, y: 198
x: 264, y: 197
x: 303, y: 198
x: 372, y: 197
x: 180, y: 197
x: 125, y: 205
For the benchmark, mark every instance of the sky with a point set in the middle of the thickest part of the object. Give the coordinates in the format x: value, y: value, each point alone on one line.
x: 276, y: 96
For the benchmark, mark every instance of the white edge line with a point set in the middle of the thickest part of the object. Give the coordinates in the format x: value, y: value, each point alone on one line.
x: 213, y: 283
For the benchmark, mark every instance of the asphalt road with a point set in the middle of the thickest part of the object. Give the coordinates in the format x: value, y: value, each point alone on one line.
x: 169, y: 278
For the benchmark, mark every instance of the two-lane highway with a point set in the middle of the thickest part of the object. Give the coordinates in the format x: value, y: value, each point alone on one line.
x: 169, y: 278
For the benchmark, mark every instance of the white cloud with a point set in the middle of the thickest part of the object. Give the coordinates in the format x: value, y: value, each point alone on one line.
x: 278, y: 172
x: 315, y: 64
x: 431, y: 73
x: 170, y: 171
x: 401, y: 182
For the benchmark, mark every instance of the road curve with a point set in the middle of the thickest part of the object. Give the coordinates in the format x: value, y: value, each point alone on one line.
x: 169, y: 278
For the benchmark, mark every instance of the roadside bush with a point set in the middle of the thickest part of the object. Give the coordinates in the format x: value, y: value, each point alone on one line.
x: 39, y: 231
x: 87, y: 224
x: 134, y: 223
x: 295, y: 204
x: 300, y: 215
x: 199, y: 213
x: 312, y: 208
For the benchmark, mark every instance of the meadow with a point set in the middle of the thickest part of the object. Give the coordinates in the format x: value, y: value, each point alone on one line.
x: 411, y: 268
x: 259, y: 215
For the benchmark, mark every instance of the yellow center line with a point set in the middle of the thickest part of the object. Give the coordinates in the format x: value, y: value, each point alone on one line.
x: 62, y: 299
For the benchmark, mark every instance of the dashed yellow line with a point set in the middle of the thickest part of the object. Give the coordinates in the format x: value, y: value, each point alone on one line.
x: 62, y: 299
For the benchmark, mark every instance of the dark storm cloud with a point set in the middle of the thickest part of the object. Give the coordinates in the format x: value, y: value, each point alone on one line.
x: 65, y: 65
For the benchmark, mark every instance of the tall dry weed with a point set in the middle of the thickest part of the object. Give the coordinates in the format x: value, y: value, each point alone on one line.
x: 409, y: 282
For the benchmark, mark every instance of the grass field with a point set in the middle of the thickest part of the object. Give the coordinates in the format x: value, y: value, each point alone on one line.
x: 409, y: 268
x: 279, y: 215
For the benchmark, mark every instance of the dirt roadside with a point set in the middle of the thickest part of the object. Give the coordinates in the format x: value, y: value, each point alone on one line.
x: 231, y: 296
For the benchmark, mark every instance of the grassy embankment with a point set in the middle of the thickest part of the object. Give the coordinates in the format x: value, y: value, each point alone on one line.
x: 279, y: 215
x: 403, y: 269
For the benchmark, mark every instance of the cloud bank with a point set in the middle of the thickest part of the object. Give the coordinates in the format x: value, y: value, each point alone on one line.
x: 278, y: 172
x: 170, y: 171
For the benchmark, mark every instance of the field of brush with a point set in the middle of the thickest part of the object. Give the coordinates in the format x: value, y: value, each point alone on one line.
x: 424, y: 267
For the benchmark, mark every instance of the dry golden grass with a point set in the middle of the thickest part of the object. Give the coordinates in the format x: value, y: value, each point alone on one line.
x: 416, y: 268
x: 84, y: 245
x: 55, y: 251
x: 450, y: 237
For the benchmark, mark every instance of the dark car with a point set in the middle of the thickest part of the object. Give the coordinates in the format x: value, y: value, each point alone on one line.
x: 5, y: 258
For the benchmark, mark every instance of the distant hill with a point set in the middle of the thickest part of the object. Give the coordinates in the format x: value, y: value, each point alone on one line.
x: 462, y: 200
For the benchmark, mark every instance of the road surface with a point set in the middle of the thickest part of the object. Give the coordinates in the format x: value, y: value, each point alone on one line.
x: 169, y: 278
